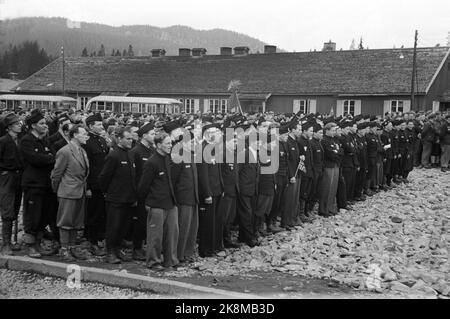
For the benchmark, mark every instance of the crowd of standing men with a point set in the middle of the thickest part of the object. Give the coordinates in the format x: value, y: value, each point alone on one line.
x: 116, y: 178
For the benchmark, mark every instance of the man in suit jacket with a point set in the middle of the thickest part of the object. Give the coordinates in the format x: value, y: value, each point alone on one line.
x: 118, y: 182
x: 69, y: 178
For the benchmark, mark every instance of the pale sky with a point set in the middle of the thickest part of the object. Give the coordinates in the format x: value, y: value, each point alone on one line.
x: 292, y: 25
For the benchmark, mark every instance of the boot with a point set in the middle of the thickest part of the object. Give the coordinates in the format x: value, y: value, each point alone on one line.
x: 121, y: 254
x: 65, y: 254
x: 6, y: 250
x: 111, y: 258
x: 139, y: 254
x: 6, y: 236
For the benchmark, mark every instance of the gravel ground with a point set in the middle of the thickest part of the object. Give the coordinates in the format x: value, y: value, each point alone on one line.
x: 15, y: 284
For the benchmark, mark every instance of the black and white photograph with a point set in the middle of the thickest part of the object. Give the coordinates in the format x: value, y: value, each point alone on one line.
x: 250, y: 152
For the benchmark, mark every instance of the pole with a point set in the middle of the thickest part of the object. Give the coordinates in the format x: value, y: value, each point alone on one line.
x: 413, y: 79
x: 63, y: 72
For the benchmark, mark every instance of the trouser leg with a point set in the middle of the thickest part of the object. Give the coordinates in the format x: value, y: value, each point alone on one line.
x: 170, y: 237
x: 207, y: 216
x: 245, y: 212
x: 139, y: 226
x: 96, y: 217
x: 185, y: 215
x: 155, y: 226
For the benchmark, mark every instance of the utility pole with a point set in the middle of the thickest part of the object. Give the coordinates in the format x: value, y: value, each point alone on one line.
x: 63, y: 72
x: 413, y: 79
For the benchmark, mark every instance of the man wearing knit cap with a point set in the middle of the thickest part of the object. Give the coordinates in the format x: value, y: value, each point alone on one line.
x: 39, y: 200
x: 96, y: 149
x: 11, y: 168
x: 140, y: 153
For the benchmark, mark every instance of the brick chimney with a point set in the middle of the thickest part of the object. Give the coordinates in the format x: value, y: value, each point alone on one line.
x: 184, y: 52
x: 13, y: 76
x: 198, y: 52
x: 268, y: 49
x: 156, y: 53
x: 329, y: 46
x: 241, y: 50
x: 226, y: 51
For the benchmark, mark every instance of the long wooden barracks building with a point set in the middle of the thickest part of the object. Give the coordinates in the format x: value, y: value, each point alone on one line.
x: 355, y: 81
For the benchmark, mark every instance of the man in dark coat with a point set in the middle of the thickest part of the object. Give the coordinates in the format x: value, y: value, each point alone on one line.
x: 230, y: 178
x: 96, y: 149
x: 11, y: 168
x: 210, y: 188
x: 317, y: 161
x: 349, y: 160
x: 156, y: 189
x: 185, y: 184
x: 330, y: 178
x: 140, y: 153
x: 292, y: 192
x: 307, y: 174
x: 278, y: 205
x: 39, y: 200
x: 117, y: 181
x: 386, y: 139
x: 248, y: 181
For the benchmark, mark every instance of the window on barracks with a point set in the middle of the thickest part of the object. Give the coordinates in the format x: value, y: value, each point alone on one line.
x: 396, y: 106
x: 214, y: 105
x: 189, y: 105
x: 349, y: 107
x: 100, y: 106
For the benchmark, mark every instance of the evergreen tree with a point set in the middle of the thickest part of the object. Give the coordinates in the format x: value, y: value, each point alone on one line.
x: 113, y: 53
x: 101, y: 52
x: 84, y: 53
x: 125, y: 53
x: 118, y: 53
x: 130, y: 50
x: 361, y: 47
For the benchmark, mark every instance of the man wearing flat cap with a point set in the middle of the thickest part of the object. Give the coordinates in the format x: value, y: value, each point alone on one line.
x: 11, y: 168
x: 39, y: 201
x: 96, y: 149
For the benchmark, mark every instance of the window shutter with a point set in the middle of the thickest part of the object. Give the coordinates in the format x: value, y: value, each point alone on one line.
x: 196, y: 105
x: 340, y: 108
x: 406, y: 106
x: 436, y: 105
x: 296, y: 106
x: 357, y: 107
x: 205, y: 105
x: 386, y: 106
x: 312, y: 106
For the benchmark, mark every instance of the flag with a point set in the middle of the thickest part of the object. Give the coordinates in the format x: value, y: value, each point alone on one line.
x: 234, y: 105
